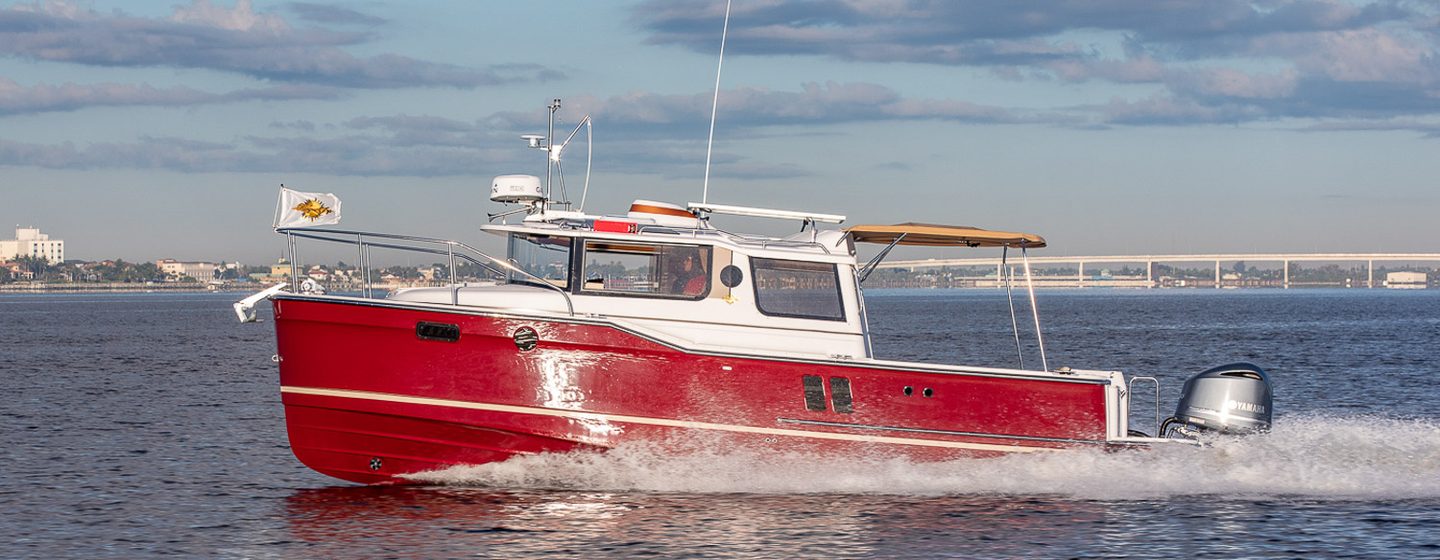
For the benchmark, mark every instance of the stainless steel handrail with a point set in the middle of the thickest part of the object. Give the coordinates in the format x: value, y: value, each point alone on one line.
x: 696, y: 232
x: 449, y: 246
x: 1157, y: 399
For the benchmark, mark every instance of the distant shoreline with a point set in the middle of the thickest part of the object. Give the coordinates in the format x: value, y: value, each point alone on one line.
x: 123, y: 287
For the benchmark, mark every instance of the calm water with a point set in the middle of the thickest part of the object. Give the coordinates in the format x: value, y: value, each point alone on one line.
x: 145, y: 425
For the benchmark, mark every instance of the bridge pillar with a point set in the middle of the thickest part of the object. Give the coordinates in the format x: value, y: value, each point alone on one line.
x: 1370, y: 278
x: 999, y: 274
x: 1080, y: 278
x: 1217, y: 273
x: 1149, y: 274
x: 1286, y: 267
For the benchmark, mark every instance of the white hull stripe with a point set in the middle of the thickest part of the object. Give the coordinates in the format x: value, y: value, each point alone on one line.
x: 591, y: 416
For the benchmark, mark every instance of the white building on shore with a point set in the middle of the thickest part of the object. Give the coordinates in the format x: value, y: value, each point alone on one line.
x: 29, y: 242
x: 1407, y: 280
x: 200, y: 271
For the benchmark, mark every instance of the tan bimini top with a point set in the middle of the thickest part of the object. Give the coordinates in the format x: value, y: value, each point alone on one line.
x: 932, y: 235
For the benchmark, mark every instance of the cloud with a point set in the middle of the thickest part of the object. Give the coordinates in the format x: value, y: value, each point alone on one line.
x: 18, y: 99
x: 749, y: 109
x: 639, y: 133
x: 332, y: 14
x: 1138, y: 69
x: 952, y: 33
x: 1366, y: 55
x: 1170, y: 110
x: 1425, y: 128
x: 1207, y: 62
x: 374, y: 155
x: 1229, y: 83
x: 241, y: 18
x: 348, y: 156
x: 924, y: 31
x: 302, y: 125
x: 236, y: 40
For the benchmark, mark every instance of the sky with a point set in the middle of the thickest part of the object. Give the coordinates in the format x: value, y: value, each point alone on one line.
x: 147, y: 130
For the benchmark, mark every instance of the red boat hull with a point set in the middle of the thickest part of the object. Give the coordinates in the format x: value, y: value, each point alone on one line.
x: 371, y: 395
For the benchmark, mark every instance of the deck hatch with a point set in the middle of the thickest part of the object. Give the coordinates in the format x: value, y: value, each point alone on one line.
x: 814, y: 392
x: 840, y: 395
x: 444, y: 332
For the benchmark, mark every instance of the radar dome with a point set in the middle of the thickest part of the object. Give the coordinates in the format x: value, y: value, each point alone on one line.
x: 516, y: 188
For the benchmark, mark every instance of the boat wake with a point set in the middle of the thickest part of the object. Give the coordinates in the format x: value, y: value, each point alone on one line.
x: 1322, y: 457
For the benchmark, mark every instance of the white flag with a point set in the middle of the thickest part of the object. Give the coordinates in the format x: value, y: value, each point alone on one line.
x: 303, y: 209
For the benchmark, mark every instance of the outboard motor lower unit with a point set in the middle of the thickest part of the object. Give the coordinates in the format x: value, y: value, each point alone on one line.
x: 1230, y: 399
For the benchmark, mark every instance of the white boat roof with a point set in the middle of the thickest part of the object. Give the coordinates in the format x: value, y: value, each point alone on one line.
x: 814, y: 245
x: 666, y: 223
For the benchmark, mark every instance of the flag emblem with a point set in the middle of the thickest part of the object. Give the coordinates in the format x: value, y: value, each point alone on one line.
x: 313, y: 209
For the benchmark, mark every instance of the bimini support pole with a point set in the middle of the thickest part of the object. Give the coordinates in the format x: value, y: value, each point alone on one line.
x: 870, y: 266
x: 1010, y: 296
x: 1035, y: 312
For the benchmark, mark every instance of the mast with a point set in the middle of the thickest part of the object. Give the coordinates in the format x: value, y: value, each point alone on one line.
x: 550, y: 150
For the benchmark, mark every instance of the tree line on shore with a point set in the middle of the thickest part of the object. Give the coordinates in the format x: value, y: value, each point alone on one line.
x: 27, y: 268
x: 38, y: 269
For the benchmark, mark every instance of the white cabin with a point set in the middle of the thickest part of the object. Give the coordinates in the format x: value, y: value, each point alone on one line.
x: 661, y: 271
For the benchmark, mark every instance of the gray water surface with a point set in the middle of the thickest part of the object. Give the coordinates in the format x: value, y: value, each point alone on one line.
x: 142, y: 425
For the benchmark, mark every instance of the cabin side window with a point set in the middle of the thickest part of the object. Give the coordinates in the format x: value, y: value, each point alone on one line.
x: 806, y: 290
x: 642, y: 269
x: 544, y: 256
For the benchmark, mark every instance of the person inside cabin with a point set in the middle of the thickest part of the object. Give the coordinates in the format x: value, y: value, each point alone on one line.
x: 689, y: 276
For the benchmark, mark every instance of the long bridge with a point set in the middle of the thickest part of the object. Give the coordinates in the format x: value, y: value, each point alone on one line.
x: 1149, y: 262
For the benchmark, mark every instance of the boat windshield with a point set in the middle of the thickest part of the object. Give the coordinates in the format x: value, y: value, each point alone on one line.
x: 545, y: 256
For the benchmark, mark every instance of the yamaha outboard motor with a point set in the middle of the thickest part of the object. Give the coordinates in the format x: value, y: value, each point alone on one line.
x: 1230, y: 399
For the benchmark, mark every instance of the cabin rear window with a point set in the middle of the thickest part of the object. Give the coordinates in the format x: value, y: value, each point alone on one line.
x: 641, y: 269
x: 805, y: 290
x: 544, y: 256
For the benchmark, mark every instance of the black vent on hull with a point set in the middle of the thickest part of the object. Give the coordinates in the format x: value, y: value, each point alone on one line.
x: 814, y: 392
x: 444, y: 332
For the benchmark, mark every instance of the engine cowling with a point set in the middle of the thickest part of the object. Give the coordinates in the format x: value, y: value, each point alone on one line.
x: 1230, y: 399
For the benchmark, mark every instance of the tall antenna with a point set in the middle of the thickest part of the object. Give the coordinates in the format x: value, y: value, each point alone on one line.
x: 715, y: 104
x: 549, y: 150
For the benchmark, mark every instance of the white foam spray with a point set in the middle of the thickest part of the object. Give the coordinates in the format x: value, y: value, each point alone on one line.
x: 1313, y: 457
